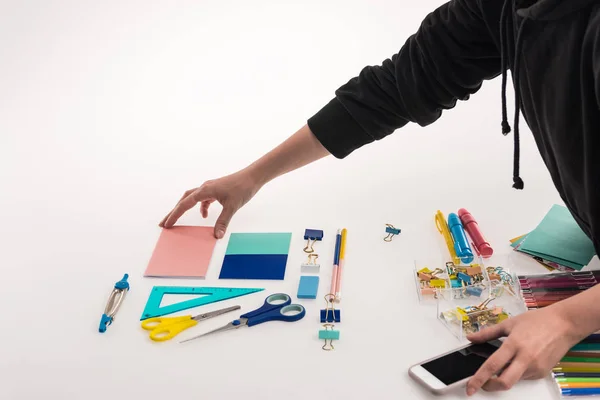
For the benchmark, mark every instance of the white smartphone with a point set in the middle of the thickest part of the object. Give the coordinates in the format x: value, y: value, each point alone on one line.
x: 454, y: 368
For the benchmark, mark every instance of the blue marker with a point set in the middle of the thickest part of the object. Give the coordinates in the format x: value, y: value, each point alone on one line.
x: 461, y: 243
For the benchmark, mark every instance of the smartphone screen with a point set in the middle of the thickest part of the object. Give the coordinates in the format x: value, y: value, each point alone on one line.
x: 462, y: 363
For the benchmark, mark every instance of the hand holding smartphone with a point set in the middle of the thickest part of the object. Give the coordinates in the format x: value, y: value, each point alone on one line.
x: 447, y: 371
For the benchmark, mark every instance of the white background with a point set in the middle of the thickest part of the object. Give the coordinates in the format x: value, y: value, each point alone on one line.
x: 110, y: 110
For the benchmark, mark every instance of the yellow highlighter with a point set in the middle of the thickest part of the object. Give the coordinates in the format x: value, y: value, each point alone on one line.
x: 442, y: 226
x: 166, y: 328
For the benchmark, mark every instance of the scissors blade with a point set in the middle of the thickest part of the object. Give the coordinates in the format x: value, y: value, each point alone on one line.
x: 228, y: 327
x: 202, y: 317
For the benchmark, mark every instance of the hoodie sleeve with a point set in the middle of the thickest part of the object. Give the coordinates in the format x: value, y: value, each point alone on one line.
x: 447, y: 59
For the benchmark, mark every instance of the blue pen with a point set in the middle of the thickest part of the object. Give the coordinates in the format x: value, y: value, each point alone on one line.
x: 114, y: 302
x: 461, y: 243
x: 580, y: 392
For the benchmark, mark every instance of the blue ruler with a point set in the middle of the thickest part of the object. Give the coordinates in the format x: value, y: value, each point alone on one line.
x: 208, y: 295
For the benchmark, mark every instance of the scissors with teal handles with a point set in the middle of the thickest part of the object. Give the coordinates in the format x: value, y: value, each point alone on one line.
x: 277, y: 307
x: 166, y: 328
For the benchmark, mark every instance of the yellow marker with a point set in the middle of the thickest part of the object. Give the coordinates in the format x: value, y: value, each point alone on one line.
x: 442, y: 226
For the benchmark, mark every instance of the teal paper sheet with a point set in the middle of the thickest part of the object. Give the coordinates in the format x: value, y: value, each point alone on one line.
x: 558, y: 238
x: 259, y: 243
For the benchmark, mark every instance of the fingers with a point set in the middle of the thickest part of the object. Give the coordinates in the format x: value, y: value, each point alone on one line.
x: 490, y: 367
x: 204, y: 207
x: 223, y: 222
x: 511, y: 375
x: 490, y: 333
x: 185, y: 204
x: 185, y: 194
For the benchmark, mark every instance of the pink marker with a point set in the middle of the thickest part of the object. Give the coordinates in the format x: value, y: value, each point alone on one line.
x: 479, y: 243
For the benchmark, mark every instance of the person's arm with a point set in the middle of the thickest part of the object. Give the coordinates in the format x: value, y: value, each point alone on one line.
x: 454, y: 50
x: 446, y: 60
x: 235, y: 190
x: 300, y: 149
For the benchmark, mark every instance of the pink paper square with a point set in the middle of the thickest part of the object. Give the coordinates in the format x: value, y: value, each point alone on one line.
x: 183, y: 252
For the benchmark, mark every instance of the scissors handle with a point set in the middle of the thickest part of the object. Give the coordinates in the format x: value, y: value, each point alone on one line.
x: 166, y: 328
x: 276, y: 312
x: 272, y: 302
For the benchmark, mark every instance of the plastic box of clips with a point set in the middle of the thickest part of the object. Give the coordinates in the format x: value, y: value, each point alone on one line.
x: 472, y: 308
x: 432, y: 276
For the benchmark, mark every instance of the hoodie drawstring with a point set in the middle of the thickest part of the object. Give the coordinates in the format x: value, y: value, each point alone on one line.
x: 505, y: 126
x: 517, y: 181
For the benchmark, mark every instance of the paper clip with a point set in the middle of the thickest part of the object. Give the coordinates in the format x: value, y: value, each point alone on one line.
x: 330, y: 314
x: 474, y: 318
x: 311, y: 266
x: 311, y: 236
x: 114, y: 302
x: 391, y: 231
x: 329, y: 335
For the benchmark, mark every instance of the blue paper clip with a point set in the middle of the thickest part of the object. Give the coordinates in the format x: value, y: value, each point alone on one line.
x: 314, y: 235
x: 391, y: 231
x: 464, y: 277
x: 474, y: 291
x: 114, y: 302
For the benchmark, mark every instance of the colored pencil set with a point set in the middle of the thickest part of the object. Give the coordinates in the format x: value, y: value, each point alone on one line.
x: 338, y: 264
x: 578, y: 372
x: 540, y: 291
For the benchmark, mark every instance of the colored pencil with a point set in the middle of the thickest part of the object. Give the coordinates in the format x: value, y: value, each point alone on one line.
x: 342, y: 254
x: 336, y: 258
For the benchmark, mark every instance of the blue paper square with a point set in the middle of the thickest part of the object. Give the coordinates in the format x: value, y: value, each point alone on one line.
x: 254, y: 266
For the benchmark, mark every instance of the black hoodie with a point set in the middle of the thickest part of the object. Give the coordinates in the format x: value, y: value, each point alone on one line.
x: 552, y: 48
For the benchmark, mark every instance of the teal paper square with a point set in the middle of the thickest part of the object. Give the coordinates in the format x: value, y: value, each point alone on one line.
x: 259, y: 243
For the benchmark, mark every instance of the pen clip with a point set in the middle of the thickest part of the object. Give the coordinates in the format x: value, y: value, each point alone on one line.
x: 438, y: 223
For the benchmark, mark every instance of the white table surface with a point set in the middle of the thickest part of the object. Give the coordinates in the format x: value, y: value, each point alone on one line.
x: 110, y: 110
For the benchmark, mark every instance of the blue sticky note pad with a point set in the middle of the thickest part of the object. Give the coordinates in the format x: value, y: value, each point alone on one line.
x: 254, y: 266
x: 308, y: 287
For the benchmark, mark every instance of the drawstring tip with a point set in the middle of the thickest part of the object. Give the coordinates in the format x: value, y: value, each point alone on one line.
x: 505, y: 128
x: 518, y: 183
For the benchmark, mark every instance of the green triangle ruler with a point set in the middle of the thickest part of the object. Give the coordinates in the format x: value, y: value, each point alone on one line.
x: 209, y: 295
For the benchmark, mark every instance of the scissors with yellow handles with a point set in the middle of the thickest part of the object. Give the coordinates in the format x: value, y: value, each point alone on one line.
x: 166, y: 328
